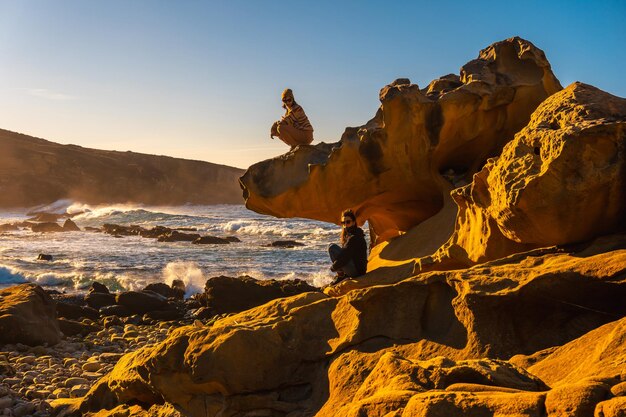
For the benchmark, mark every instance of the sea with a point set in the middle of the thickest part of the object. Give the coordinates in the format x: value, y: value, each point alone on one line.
x: 132, y: 262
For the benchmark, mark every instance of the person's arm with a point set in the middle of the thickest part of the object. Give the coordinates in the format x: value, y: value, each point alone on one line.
x: 346, y: 255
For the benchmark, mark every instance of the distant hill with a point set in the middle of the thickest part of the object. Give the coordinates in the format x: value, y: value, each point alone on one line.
x: 35, y: 171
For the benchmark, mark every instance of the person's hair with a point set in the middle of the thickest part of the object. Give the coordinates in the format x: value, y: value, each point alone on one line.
x: 344, y: 235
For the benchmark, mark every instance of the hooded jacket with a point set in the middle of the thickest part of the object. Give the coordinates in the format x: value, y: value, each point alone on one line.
x: 355, y: 249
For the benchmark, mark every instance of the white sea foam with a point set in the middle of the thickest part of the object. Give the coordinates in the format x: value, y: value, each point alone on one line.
x: 52, y: 279
x: 86, y: 211
x: 188, y: 272
x: 254, y: 228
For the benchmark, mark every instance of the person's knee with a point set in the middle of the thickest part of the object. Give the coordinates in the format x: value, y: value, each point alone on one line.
x: 334, y: 250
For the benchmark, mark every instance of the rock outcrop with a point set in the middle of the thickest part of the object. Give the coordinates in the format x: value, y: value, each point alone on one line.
x: 562, y: 180
x: 429, y: 341
x: 28, y: 316
x: 398, y: 169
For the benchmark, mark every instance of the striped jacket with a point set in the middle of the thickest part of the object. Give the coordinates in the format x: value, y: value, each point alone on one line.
x: 296, y: 117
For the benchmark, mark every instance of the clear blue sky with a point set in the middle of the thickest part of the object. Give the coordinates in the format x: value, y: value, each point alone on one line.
x: 202, y: 79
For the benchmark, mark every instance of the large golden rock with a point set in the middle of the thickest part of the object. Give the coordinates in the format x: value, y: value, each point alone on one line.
x: 561, y: 180
x: 441, y: 338
x: 398, y: 169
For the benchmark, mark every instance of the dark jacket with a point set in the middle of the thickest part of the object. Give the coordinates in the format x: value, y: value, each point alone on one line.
x: 355, y: 249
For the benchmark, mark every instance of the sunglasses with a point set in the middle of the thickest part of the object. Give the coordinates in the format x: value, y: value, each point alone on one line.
x: 349, y: 221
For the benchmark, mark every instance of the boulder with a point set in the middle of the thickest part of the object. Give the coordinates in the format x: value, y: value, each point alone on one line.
x: 44, y: 257
x: 175, y: 236
x: 119, y: 230
x: 285, y: 244
x: 211, y: 240
x: 116, y: 310
x: 99, y: 300
x: 167, y: 291
x: 179, y: 286
x: 155, y: 232
x: 75, y: 312
x: 73, y: 327
x: 70, y: 226
x: 167, y: 314
x: 98, y: 287
x: 46, y: 227
x: 28, y: 316
x: 141, y: 302
x: 227, y: 294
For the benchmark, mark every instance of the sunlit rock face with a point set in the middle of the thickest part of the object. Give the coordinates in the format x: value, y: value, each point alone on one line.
x: 561, y: 180
x: 428, y: 341
x: 398, y: 169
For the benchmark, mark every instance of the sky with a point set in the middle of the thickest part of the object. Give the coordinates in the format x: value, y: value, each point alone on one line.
x: 202, y: 79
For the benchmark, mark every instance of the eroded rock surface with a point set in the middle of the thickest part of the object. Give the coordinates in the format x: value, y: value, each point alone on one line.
x: 430, y: 339
x: 561, y: 180
x: 397, y: 170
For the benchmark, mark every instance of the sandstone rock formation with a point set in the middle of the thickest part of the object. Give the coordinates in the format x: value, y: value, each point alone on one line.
x: 562, y: 180
x: 35, y: 171
x: 430, y: 342
x: 28, y: 316
x: 398, y: 169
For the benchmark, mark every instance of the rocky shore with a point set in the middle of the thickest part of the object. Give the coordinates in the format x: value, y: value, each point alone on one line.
x: 32, y: 376
x: 68, y: 344
x: 496, y: 201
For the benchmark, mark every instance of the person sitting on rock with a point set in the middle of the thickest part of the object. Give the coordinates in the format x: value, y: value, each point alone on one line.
x: 349, y: 259
x: 293, y: 128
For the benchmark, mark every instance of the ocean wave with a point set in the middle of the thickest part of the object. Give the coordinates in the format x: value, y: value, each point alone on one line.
x: 87, y: 212
x: 188, y: 272
x: 284, y: 229
x: 9, y: 275
x: 73, y: 281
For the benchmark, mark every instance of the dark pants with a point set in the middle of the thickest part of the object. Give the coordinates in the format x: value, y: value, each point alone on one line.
x: 349, y: 269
